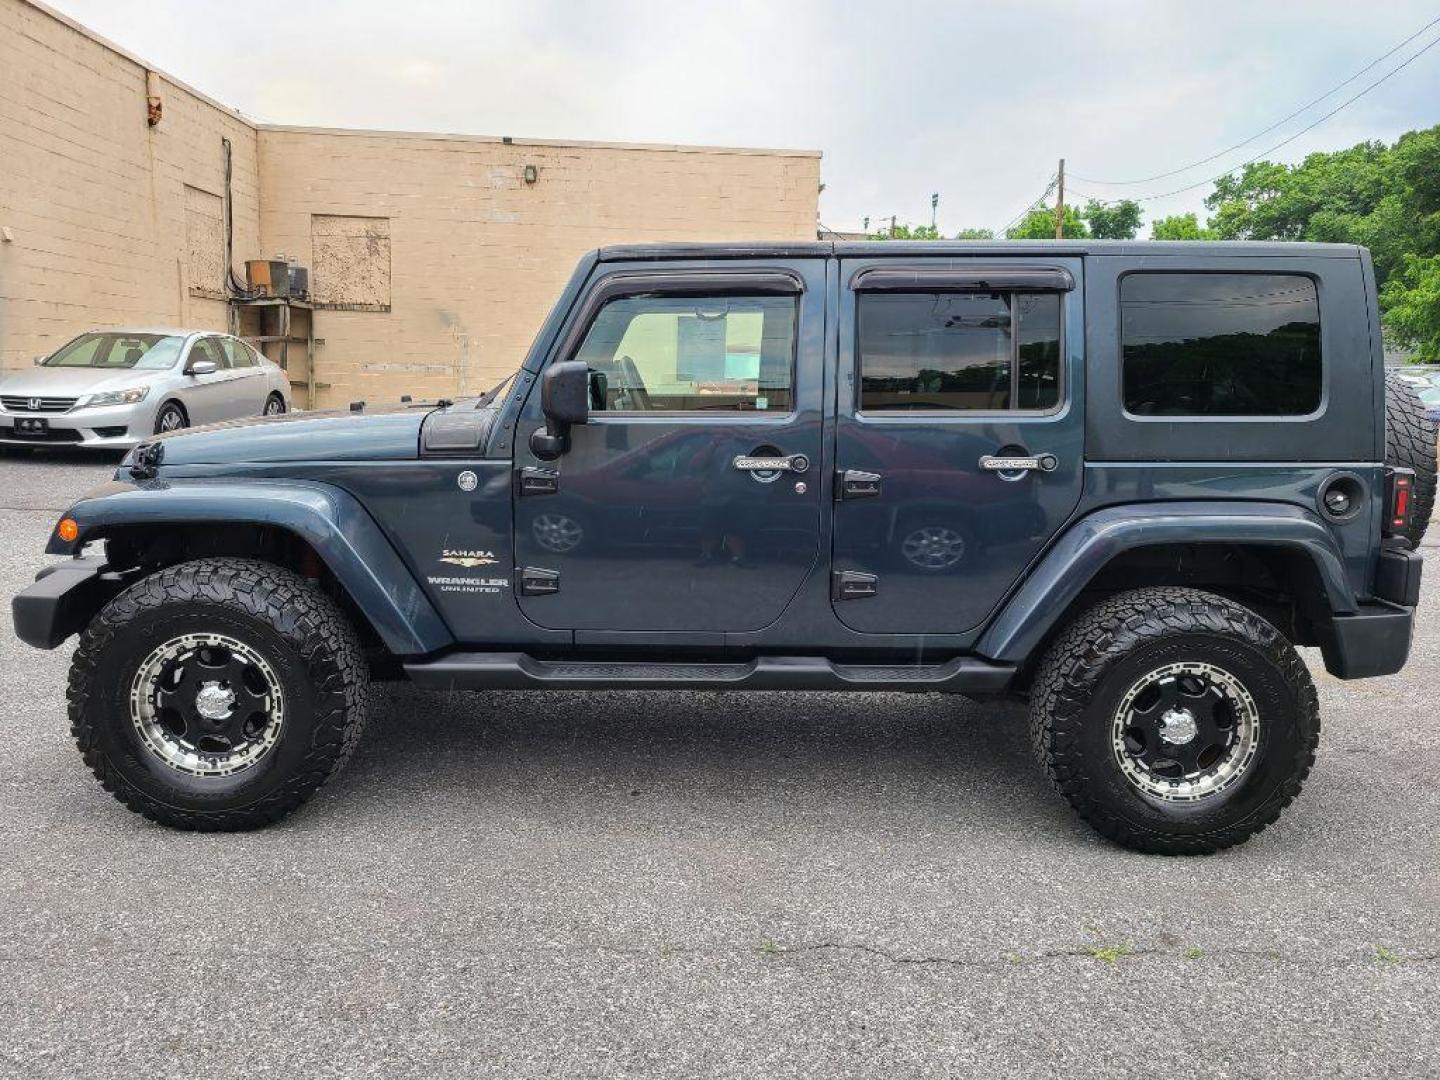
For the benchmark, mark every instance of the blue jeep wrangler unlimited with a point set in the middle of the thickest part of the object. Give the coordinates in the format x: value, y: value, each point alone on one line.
x: 1121, y: 481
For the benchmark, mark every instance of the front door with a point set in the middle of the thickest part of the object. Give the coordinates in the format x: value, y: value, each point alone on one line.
x: 659, y: 517
x: 959, y: 434
x: 205, y: 397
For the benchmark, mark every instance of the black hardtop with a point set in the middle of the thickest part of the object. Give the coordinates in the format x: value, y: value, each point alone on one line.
x: 802, y: 249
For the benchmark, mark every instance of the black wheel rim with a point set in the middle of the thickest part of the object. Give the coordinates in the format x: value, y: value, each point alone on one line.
x: 1185, y: 732
x: 207, y: 705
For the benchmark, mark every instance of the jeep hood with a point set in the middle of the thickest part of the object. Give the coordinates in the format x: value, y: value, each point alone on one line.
x: 386, y: 434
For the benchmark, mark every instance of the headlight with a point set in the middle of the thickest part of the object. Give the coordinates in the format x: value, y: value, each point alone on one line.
x: 118, y: 397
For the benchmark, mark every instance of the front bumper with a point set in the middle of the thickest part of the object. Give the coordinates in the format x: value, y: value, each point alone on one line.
x: 112, y: 426
x: 63, y: 600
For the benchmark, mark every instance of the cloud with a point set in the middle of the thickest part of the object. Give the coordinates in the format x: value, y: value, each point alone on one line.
x: 974, y: 101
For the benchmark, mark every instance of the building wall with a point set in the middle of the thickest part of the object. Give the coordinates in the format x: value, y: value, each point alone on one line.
x: 111, y: 221
x: 432, y: 260
x: 445, y: 258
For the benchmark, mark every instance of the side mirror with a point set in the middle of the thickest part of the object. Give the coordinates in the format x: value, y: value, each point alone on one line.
x: 39, y: 360
x: 565, y: 400
x: 201, y: 367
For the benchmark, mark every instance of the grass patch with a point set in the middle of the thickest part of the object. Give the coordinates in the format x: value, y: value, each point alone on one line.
x: 1110, y: 954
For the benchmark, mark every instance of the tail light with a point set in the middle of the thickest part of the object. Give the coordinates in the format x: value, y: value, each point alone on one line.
x: 1399, y: 500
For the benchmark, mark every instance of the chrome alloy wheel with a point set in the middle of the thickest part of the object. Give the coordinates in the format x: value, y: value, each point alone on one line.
x: 207, y: 705
x: 933, y: 547
x: 1185, y: 732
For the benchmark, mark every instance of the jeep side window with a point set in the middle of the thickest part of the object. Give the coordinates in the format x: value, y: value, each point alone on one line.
x: 1216, y: 344
x: 988, y: 352
x: 686, y: 354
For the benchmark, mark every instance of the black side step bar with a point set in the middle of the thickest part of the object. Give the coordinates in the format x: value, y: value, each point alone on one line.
x: 517, y: 671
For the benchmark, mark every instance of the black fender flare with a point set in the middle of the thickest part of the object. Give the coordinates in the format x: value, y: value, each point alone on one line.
x: 330, y: 520
x: 1072, y: 561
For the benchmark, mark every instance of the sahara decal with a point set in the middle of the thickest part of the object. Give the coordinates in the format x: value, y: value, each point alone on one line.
x: 468, y: 559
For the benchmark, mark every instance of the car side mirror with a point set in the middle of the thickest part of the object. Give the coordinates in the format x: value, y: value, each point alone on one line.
x: 565, y: 400
x: 201, y: 367
x: 39, y: 360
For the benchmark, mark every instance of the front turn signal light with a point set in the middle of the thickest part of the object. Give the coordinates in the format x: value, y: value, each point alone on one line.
x: 68, y: 530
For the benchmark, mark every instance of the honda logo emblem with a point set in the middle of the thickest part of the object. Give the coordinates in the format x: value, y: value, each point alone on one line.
x: 34, y: 404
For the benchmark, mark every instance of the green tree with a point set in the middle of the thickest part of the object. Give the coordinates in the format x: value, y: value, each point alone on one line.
x: 908, y: 232
x: 1411, y: 301
x: 1180, y: 227
x: 975, y: 234
x: 1384, y: 197
x: 1040, y: 225
x: 1112, y: 221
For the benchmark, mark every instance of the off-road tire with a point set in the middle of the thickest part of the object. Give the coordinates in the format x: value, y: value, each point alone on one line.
x: 1088, y: 667
x: 1410, y: 444
x: 301, y: 632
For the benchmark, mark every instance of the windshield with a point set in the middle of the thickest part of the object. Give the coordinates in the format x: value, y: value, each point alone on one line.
x: 144, y: 352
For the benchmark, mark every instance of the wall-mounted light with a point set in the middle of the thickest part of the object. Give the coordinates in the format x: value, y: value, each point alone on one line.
x: 531, y: 174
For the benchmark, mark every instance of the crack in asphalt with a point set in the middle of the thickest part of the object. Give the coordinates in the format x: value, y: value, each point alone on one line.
x: 1110, y: 955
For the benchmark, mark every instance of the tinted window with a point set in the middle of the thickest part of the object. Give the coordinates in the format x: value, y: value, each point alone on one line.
x: 1220, y: 344
x: 976, y: 351
x: 661, y: 353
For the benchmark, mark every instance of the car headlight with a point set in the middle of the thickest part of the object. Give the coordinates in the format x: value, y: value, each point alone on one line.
x: 118, y: 397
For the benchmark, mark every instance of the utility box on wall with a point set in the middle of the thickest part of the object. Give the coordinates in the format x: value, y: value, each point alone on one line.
x: 276, y: 277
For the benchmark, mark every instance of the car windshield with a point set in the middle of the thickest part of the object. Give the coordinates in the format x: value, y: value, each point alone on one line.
x: 144, y: 352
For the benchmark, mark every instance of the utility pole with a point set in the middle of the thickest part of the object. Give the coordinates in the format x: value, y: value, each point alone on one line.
x: 892, y: 226
x: 1060, y: 204
x: 934, y: 206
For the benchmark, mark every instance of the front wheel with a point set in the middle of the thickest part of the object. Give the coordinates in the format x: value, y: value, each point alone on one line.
x: 171, y: 417
x: 274, y: 405
x: 217, y: 694
x: 1174, y: 721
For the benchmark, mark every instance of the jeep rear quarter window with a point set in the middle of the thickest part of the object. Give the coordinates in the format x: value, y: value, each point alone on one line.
x: 1215, y: 344
x: 991, y: 352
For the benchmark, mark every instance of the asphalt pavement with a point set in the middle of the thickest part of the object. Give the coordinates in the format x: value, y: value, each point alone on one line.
x: 706, y: 885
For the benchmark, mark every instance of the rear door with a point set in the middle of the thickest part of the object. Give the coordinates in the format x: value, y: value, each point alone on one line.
x: 662, y: 516
x: 960, y: 433
x: 248, y: 386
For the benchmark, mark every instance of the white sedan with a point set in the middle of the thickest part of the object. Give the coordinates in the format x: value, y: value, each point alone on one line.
x: 115, y: 388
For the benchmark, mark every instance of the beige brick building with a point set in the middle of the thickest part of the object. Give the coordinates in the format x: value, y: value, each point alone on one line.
x: 433, y: 258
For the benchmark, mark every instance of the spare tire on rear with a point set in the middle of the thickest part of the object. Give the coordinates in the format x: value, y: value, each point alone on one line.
x: 1410, y: 444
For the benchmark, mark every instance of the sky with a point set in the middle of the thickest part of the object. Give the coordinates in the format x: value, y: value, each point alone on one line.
x: 973, y: 101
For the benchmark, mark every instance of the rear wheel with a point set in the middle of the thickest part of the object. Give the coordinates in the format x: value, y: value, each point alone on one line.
x: 217, y: 694
x: 1410, y: 444
x: 171, y: 417
x: 1174, y: 721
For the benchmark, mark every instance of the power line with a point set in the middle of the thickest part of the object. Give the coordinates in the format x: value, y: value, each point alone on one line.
x: 1031, y: 205
x: 1286, y: 142
x: 1279, y: 123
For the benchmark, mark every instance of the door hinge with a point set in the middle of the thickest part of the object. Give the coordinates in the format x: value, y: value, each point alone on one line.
x: 532, y: 481
x: 852, y: 585
x: 854, y: 484
x: 537, y: 581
